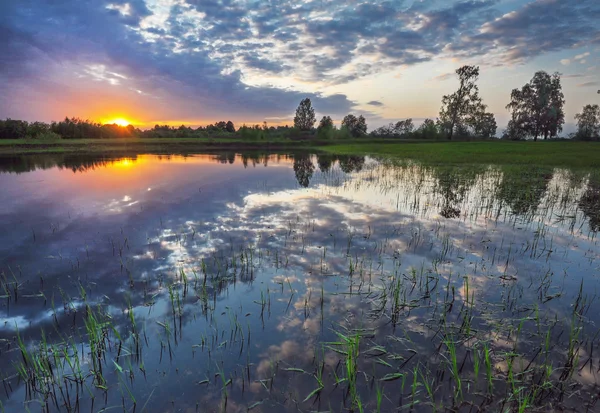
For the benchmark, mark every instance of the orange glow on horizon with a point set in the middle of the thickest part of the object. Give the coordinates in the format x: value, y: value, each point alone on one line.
x: 118, y: 121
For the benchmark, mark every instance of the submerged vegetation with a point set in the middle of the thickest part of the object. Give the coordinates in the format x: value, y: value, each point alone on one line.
x: 318, y: 283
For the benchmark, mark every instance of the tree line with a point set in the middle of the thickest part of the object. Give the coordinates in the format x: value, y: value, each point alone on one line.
x: 536, y: 109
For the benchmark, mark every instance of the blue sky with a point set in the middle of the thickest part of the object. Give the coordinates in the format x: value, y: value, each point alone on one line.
x: 198, y: 61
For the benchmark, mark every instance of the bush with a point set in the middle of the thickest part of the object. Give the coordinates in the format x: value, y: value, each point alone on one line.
x: 48, y: 135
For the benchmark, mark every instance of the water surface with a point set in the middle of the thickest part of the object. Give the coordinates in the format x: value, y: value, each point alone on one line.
x: 228, y: 282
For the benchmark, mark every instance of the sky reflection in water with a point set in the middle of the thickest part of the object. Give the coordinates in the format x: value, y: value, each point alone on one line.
x: 280, y: 253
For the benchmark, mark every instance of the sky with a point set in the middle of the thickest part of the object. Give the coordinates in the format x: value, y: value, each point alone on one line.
x: 195, y: 62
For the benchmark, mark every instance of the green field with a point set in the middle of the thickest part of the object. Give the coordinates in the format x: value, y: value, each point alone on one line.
x: 551, y: 153
x: 554, y: 153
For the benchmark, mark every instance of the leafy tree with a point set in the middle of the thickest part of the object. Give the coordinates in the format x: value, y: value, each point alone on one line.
x: 484, y: 124
x: 13, y: 129
x: 458, y: 108
x: 514, y: 132
x: 404, y: 127
x: 428, y: 130
x: 36, y: 129
x: 325, y: 130
x: 355, y: 126
x: 537, y: 108
x: 326, y: 122
x: 588, y: 123
x: 305, y: 116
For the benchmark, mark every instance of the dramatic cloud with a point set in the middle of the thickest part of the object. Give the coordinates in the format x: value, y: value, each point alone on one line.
x: 538, y: 27
x: 249, y: 59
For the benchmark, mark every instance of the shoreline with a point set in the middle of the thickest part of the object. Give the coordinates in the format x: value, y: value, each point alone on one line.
x: 574, y: 154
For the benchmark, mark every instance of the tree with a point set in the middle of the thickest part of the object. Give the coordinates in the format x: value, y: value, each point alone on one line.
x: 229, y: 127
x: 325, y: 128
x: 13, y: 129
x: 537, y: 108
x: 326, y: 122
x: 428, y: 130
x: 588, y: 122
x: 459, y: 106
x: 404, y: 127
x: 305, y: 116
x: 355, y: 126
x: 514, y: 131
x: 484, y: 124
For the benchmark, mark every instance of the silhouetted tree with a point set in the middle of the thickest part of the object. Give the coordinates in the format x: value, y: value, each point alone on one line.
x: 305, y: 116
x: 460, y: 106
x: 428, y: 130
x: 537, y: 108
x: 588, y: 123
x: 400, y: 129
x: 484, y: 124
x: 404, y: 127
x: 13, y: 129
x: 355, y: 126
x: 229, y: 127
x: 326, y: 122
x: 325, y: 128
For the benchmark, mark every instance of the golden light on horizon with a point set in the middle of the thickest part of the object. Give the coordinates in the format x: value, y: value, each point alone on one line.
x: 124, y: 163
x: 118, y: 121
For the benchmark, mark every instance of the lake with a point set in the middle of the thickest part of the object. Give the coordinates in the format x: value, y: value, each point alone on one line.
x: 233, y: 282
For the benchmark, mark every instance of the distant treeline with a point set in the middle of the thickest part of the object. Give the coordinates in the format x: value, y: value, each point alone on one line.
x: 537, y: 110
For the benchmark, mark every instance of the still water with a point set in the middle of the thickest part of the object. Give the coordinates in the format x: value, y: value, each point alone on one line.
x: 270, y: 283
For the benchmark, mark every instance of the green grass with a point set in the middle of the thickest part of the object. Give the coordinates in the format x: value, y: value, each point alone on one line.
x: 551, y: 153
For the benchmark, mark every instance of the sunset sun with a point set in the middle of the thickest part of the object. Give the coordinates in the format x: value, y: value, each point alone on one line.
x: 118, y: 121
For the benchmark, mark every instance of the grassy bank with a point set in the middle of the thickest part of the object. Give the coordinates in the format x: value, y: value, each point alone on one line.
x: 552, y: 153
x: 137, y: 145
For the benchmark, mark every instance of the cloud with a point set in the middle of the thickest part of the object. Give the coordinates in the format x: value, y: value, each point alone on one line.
x: 538, y: 27
x: 444, y: 76
x: 588, y: 84
x: 565, y: 62
x: 249, y: 59
x: 375, y: 103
